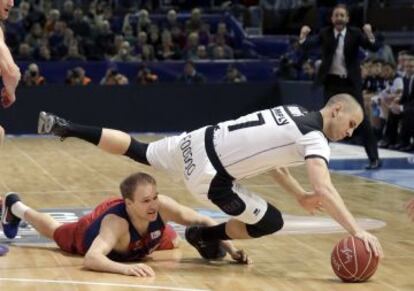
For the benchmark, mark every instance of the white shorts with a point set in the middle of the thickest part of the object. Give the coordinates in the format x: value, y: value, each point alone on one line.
x: 185, y: 156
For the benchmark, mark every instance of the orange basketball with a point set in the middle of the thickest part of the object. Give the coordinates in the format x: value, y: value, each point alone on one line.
x: 351, y: 261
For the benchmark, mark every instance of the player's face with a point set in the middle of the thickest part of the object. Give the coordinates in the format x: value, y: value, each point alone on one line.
x: 344, y: 123
x: 146, y: 204
x: 339, y: 18
x: 5, y: 7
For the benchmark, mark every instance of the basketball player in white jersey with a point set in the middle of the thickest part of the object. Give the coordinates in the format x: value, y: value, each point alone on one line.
x: 9, y: 71
x: 212, y: 159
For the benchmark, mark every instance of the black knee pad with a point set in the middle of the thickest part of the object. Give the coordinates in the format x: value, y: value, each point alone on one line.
x: 271, y: 222
x: 138, y: 151
x: 222, y: 195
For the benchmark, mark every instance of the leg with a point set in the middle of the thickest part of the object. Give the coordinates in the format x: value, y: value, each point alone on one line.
x: 109, y: 140
x: 14, y: 210
x: 42, y: 222
x: 252, y: 216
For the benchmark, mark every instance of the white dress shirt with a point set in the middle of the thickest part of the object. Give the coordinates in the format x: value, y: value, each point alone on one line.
x: 338, y: 62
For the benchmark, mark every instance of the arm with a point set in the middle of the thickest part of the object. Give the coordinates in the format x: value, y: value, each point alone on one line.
x: 171, y: 210
x: 10, y: 73
x: 307, y: 200
x: 307, y: 42
x: 410, y: 209
x: 368, y: 40
x: 334, y: 205
x: 112, y: 229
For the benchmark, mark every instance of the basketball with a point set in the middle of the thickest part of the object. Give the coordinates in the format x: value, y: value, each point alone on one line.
x: 351, y: 261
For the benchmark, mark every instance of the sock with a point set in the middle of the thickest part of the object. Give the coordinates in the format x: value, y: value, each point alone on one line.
x: 91, y: 134
x: 18, y: 209
x: 217, y: 232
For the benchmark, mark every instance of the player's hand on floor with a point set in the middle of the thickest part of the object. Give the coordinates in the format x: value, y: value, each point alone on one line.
x: 241, y: 257
x: 7, y: 99
x: 311, y: 202
x: 139, y: 270
x: 371, y: 243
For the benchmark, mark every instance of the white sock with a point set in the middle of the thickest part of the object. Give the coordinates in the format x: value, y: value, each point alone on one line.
x: 19, y: 209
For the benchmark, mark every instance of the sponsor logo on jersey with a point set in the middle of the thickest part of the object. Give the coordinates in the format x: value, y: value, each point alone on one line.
x: 155, y: 234
x: 280, y: 118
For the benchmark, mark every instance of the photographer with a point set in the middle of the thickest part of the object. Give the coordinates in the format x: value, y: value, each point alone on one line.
x: 32, y: 76
x: 77, y: 76
x: 113, y: 77
x: 145, y: 76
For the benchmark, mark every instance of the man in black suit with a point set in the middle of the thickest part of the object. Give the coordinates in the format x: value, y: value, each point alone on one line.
x: 340, y: 70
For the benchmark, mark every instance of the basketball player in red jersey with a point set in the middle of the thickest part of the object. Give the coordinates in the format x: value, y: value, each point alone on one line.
x: 9, y: 71
x: 117, y: 230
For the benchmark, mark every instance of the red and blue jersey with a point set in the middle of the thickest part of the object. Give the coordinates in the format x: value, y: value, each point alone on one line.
x: 77, y: 237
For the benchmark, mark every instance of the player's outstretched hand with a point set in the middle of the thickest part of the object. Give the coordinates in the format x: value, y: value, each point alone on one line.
x: 7, y: 99
x: 139, y: 270
x: 241, y: 257
x: 311, y: 202
x: 371, y: 243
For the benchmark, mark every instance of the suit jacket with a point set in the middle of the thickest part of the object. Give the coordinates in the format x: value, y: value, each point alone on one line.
x: 354, y: 39
x: 407, y: 98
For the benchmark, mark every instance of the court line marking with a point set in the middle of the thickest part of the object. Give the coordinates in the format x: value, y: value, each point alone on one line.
x: 107, y: 284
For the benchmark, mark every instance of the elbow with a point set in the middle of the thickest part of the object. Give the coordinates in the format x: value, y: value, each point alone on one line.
x: 89, y: 261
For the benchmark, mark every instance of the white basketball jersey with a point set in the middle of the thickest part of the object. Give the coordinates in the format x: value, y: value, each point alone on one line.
x: 283, y: 136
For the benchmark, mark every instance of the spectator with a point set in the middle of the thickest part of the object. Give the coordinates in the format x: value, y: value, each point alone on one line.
x: 68, y: 11
x: 144, y: 21
x: 129, y: 34
x: 308, y: 72
x: 32, y: 76
x: 145, y: 76
x: 14, y: 30
x: 195, y: 22
x: 56, y: 40
x: 73, y: 54
x: 190, y: 74
x: 223, y: 32
x: 218, y: 53
x: 52, y: 18
x: 43, y: 53
x: 178, y: 37
x: 25, y: 52
x: 124, y: 53
x: 144, y: 50
x: 35, y: 35
x: 190, y: 50
x: 204, y: 36
x: 154, y: 36
x: 167, y: 50
x: 233, y: 75
x: 402, y: 58
x: 391, y: 93
x: 220, y: 41
x: 77, y: 77
x: 113, y: 77
x: 31, y: 15
x: 172, y: 21
x: 402, y: 114
x: 202, y: 52
x: 374, y: 83
x: 79, y: 25
x: 104, y: 37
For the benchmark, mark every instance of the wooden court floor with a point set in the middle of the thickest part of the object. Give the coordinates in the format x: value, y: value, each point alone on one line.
x: 52, y: 174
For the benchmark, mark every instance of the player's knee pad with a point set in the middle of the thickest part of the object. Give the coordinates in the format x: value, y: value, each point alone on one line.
x: 271, y: 222
x: 137, y: 151
x: 222, y: 195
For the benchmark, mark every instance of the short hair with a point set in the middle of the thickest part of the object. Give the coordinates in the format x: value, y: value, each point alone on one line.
x: 130, y: 184
x: 341, y: 6
x: 402, y: 53
x: 349, y: 101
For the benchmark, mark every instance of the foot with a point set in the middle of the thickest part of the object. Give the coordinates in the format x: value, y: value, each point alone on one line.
x: 9, y: 221
x: 210, y: 250
x: 49, y: 123
x: 374, y: 165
